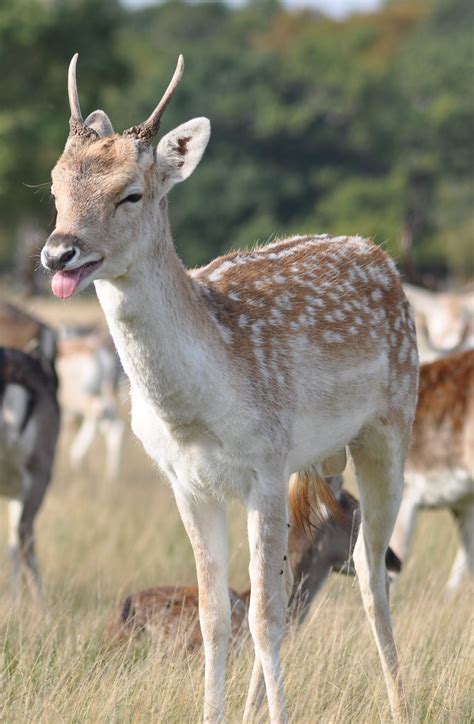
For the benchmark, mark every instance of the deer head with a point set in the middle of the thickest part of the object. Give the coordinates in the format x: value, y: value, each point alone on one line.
x: 107, y: 188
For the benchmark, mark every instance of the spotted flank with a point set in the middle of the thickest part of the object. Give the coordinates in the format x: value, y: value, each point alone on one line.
x: 342, y: 294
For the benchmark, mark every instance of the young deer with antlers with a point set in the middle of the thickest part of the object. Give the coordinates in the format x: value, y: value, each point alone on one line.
x: 259, y: 366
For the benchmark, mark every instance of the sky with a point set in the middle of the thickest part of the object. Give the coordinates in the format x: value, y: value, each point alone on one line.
x: 333, y: 8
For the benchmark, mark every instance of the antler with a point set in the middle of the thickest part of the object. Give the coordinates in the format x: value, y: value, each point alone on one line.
x: 146, y: 131
x: 76, y: 124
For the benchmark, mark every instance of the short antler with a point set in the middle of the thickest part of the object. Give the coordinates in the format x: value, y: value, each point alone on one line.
x: 76, y: 124
x: 147, y: 130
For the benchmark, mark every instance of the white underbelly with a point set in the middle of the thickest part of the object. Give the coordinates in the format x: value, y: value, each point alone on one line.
x: 224, y: 462
x: 441, y: 488
x: 329, y: 428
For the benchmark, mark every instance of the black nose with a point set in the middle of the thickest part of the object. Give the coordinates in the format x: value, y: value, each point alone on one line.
x: 56, y: 263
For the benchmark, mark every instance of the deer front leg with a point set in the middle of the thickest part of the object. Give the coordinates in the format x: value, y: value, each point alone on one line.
x: 206, y: 526
x: 465, y: 556
x: 270, y: 579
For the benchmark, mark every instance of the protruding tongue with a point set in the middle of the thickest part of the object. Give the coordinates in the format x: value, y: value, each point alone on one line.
x: 64, y: 283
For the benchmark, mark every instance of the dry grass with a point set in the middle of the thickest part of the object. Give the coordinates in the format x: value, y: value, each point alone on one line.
x: 98, y: 542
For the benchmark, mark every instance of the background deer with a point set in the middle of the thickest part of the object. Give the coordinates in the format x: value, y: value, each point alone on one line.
x: 440, y: 464
x: 90, y: 374
x: 313, y: 553
x: 29, y: 427
x: 22, y: 330
x: 242, y: 373
x: 444, y: 321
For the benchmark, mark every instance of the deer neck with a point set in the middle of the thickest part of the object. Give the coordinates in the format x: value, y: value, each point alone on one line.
x: 163, y: 330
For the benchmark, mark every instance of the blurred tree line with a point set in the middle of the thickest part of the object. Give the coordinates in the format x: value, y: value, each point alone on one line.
x: 362, y: 126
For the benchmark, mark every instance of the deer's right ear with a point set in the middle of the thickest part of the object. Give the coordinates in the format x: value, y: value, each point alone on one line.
x: 179, y: 152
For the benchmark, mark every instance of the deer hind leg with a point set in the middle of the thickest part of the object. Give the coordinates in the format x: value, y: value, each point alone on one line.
x: 82, y: 441
x: 465, y: 556
x: 29, y: 559
x: 22, y: 550
x: 36, y: 485
x: 15, y: 510
x: 256, y: 693
x: 206, y: 526
x: 271, y: 582
x: 379, y: 455
x: 113, y: 430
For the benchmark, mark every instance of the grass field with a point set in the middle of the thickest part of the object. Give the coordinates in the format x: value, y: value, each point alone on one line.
x: 99, y: 541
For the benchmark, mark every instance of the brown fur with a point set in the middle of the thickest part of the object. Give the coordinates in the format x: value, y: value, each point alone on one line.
x: 170, y: 610
x: 345, y: 297
x: 111, y: 159
x: 443, y: 433
x: 18, y: 329
x: 164, y: 610
x: 310, y: 510
x: 25, y: 332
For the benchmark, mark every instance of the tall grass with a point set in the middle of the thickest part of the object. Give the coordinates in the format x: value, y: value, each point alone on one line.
x: 99, y: 541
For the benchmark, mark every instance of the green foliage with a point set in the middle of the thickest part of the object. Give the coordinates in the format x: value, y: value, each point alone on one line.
x: 37, y: 40
x: 362, y: 126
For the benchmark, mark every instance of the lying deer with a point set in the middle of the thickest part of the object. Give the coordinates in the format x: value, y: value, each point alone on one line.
x: 243, y: 373
x: 313, y: 553
x: 90, y: 374
x: 439, y: 471
x: 29, y: 427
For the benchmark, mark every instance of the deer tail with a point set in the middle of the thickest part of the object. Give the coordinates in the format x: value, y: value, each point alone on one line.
x: 311, y: 500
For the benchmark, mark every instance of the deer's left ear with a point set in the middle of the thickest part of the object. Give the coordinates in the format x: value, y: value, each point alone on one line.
x: 179, y: 152
x: 100, y: 122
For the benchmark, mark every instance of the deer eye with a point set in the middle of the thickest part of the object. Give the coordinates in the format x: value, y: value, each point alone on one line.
x: 132, y: 198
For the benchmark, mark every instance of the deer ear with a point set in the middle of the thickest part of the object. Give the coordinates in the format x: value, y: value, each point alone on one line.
x: 100, y: 122
x: 179, y: 152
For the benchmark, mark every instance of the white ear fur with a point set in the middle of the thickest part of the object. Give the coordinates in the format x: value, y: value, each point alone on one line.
x: 100, y: 122
x: 179, y: 152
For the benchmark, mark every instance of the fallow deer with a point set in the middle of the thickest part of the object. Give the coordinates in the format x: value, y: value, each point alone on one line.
x: 90, y: 374
x: 444, y: 321
x: 439, y: 470
x: 21, y: 330
x: 29, y: 427
x: 313, y: 554
x: 171, y: 611
x: 243, y: 373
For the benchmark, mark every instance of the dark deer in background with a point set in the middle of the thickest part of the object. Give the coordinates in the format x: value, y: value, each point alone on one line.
x: 29, y: 427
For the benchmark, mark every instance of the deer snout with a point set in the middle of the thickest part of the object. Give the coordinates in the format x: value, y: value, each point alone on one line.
x: 60, y: 252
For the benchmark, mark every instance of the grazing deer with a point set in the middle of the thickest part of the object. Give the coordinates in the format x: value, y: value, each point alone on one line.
x: 29, y: 427
x: 439, y: 470
x: 21, y: 330
x: 165, y: 610
x: 90, y: 372
x: 243, y: 373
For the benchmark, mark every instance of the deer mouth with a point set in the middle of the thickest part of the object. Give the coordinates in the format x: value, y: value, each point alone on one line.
x: 64, y: 283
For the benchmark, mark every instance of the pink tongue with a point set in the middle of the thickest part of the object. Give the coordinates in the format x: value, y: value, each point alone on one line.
x: 64, y: 284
